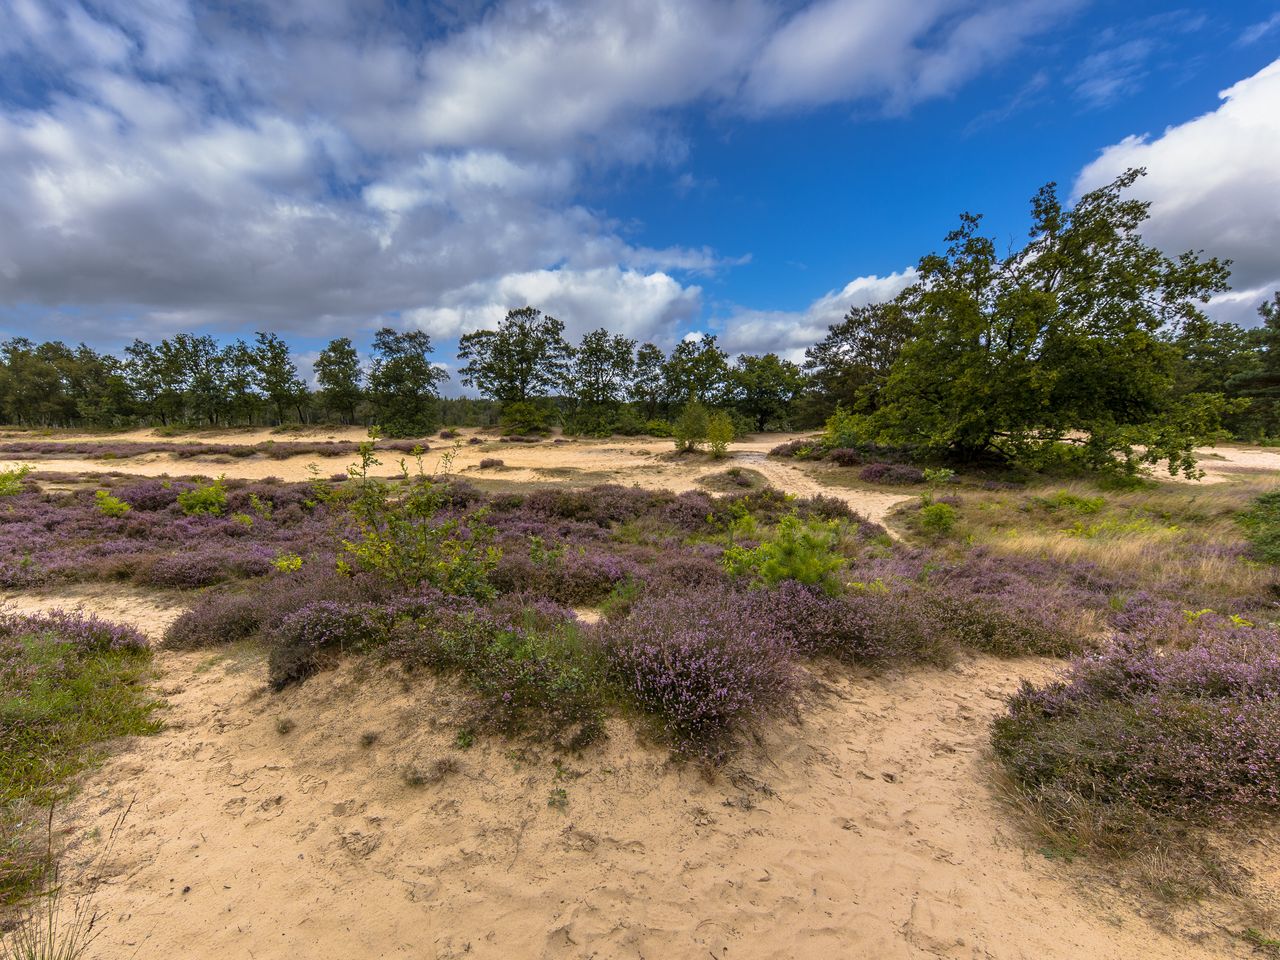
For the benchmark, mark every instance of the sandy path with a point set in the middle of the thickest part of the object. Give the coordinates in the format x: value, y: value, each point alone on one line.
x: 870, y: 830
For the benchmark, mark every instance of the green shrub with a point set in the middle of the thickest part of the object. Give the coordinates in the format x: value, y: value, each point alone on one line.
x: 401, y: 537
x: 720, y: 434
x: 658, y: 428
x: 524, y: 416
x: 208, y: 498
x: 798, y: 550
x: 938, y: 518
x: 844, y: 429
x: 1262, y: 526
x: 110, y: 506
x: 11, y: 479
x: 691, y: 429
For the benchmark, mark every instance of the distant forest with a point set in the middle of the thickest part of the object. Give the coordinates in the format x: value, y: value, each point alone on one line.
x: 1086, y: 339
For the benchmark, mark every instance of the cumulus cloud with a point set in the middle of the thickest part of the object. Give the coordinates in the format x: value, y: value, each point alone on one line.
x: 1214, y: 185
x: 323, y: 165
x: 789, y: 333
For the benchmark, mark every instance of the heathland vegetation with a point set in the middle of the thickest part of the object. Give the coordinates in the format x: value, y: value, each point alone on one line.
x: 1019, y: 403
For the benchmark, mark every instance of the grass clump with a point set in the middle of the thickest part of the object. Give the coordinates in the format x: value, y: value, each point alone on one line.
x: 1262, y: 526
x: 68, y: 684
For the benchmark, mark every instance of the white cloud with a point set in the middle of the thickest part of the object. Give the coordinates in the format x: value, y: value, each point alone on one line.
x: 1214, y: 184
x: 901, y: 53
x: 320, y: 165
x: 644, y: 306
x: 789, y: 333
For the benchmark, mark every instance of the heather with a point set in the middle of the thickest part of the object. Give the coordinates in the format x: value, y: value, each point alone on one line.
x: 68, y: 683
x: 124, y: 449
x: 1140, y: 743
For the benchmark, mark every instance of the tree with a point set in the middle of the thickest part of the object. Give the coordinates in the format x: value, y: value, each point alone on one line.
x: 338, y: 375
x: 697, y: 370
x: 277, y: 374
x: 600, y: 374
x: 1061, y: 342
x: 403, y: 383
x: 1259, y: 378
x: 851, y: 363
x: 647, y: 386
x: 764, y: 388
x: 525, y: 359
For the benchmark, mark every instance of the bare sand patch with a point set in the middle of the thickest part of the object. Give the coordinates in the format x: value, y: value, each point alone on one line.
x: 869, y: 830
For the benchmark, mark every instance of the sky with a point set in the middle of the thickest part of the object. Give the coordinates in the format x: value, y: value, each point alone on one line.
x: 749, y: 168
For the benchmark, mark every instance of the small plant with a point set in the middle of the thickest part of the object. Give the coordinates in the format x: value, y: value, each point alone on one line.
x: 938, y: 519
x: 416, y: 775
x: 558, y: 799
x: 719, y: 434
x: 287, y: 563
x: 465, y: 739
x: 491, y: 463
x: 798, y: 550
x: 11, y: 479
x: 368, y: 738
x: 242, y: 520
x: 110, y: 506
x: 285, y: 726
x: 209, y: 498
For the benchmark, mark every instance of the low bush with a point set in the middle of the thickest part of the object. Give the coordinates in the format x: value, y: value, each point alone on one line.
x: 206, y: 498
x: 845, y: 457
x: 1262, y: 526
x: 797, y: 550
x: 1140, y: 741
x: 891, y: 474
x: 491, y: 463
x: 938, y: 519
x: 110, y: 506
x: 703, y: 667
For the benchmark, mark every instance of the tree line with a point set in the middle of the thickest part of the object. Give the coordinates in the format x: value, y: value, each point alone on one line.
x: 1084, y: 342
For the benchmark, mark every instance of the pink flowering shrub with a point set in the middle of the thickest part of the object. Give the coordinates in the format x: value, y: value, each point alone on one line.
x: 703, y: 666
x: 1140, y: 738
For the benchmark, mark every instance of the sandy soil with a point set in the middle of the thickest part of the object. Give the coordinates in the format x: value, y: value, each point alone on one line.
x: 869, y: 829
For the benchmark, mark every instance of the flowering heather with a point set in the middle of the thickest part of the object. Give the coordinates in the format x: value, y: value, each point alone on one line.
x: 123, y: 449
x: 891, y: 474
x: 845, y: 457
x: 1140, y: 738
x: 85, y: 631
x: 703, y: 666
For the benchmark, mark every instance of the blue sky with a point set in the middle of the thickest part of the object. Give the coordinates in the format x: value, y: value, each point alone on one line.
x: 749, y: 167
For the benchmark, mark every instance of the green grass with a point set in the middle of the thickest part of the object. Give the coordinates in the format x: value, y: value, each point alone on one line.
x: 59, y: 705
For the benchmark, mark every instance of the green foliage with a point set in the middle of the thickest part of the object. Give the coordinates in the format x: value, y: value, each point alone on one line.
x: 402, y: 537
x: 11, y: 479
x: 207, y: 498
x: 523, y: 417
x: 764, y: 389
x: 697, y: 370
x: 659, y: 428
x: 938, y: 519
x: 797, y: 550
x: 110, y: 506
x: 338, y: 375
x: 1063, y: 341
x: 404, y: 383
x: 524, y: 359
x: 852, y: 362
x: 287, y: 563
x: 691, y: 428
x: 720, y: 434
x: 1062, y: 500
x: 1262, y: 525
x: 844, y: 429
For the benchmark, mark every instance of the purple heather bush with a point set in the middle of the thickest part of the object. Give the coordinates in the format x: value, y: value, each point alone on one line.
x: 845, y: 457
x: 1138, y: 739
x: 123, y: 449
x: 891, y: 474
x: 704, y: 666
x: 85, y: 631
